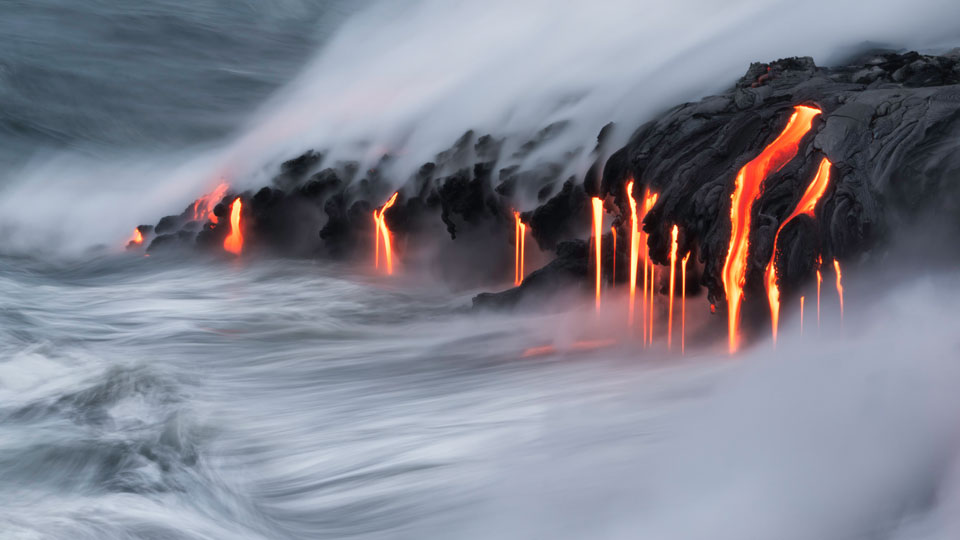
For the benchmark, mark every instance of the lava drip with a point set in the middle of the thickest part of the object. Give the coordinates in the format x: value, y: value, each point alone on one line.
x: 801, y: 316
x: 649, y: 199
x: 382, y: 231
x: 597, y: 229
x: 836, y: 267
x: 806, y: 206
x: 234, y: 241
x: 520, y: 231
x: 634, y: 252
x: 673, y: 276
x: 747, y: 188
x: 203, y: 207
x: 683, y: 302
x: 613, y: 265
x: 819, y: 283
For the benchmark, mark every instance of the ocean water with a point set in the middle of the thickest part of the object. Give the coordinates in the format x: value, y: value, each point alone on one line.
x: 199, y: 397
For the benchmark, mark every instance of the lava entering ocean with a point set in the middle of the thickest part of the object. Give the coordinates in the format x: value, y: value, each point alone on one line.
x: 748, y: 186
x: 520, y: 233
x: 234, y: 241
x: 203, y: 207
x: 597, y: 204
x: 806, y: 206
x: 382, y: 232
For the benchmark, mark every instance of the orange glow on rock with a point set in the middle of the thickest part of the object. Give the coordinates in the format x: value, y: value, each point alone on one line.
x: 597, y: 228
x: 683, y: 302
x: 382, y: 232
x: 520, y: 233
x: 234, y: 241
x: 203, y: 207
x: 747, y: 188
x: 836, y: 267
x: 806, y: 206
x: 634, y: 252
x: 673, y: 278
x: 136, y: 239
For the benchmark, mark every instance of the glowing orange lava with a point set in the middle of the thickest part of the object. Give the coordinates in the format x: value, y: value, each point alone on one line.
x: 597, y: 228
x: 203, y: 207
x: 520, y: 232
x: 634, y: 251
x: 381, y: 231
x: 613, y: 276
x: 136, y: 239
x: 801, y: 315
x: 746, y: 190
x: 683, y: 302
x: 836, y: 266
x: 234, y: 241
x: 673, y: 278
x: 649, y: 199
x: 819, y: 283
x: 806, y: 206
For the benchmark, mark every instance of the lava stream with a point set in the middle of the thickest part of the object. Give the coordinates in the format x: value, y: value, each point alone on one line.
x: 673, y: 276
x: 382, y: 231
x: 747, y: 188
x: 634, y: 251
x: 836, y: 266
x: 203, y: 207
x: 801, y: 316
x: 597, y: 228
x: 234, y: 241
x: 683, y: 302
x: 613, y: 267
x: 819, y: 283
x: 520, y: 231
x: 806, y: 206
x: 649, y: 199
x: 136, y: 239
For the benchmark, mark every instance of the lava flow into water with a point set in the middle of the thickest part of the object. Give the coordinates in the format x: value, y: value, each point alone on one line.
x: 234, y: 241
x: 136, y: 239
x: 649, y: 272
x: 381, y: 231
x: 673, y: 277
x: 520, y: 233
x: 748, y: 186
x: 203, y: 207
x: 597, y: 239
x: 634, y: 252
x: 806, y: 206
x: 683, y: 303
x: 836, y: 267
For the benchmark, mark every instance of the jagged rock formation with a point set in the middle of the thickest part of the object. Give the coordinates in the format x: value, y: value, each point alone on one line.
x: 889, y: 124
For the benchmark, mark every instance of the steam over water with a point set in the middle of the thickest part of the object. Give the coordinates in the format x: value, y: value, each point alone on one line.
x: 199, y: 398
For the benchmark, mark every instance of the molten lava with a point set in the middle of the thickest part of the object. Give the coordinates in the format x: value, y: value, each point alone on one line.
x: 381, y: 231
x: 801, y: 315
x: 649, y: 199
x: 673, y: 277
x: 836, y: 266
x: 520, y: 231
x: 819, y: 283
x: 683, y: 302
x: 597, y: 228
x: 203, y: 207
x: 806, y: 206
x: 136, y: 239
x: 613, y: 267
x: 634, y: 251
x: 234, y: 241
x: 747, y: 188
